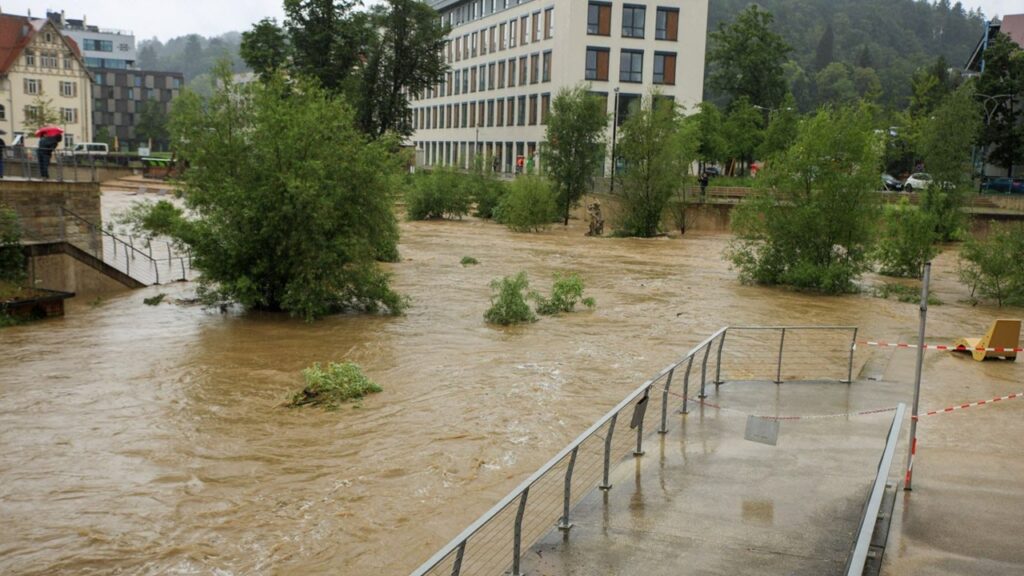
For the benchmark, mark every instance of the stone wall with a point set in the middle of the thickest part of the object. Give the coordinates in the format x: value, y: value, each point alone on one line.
x: 39, y: 205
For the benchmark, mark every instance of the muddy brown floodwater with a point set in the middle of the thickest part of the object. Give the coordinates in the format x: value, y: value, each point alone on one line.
x: 153, y: 440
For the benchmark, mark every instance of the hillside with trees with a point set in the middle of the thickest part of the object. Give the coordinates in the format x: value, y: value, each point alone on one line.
x: 193, y: 55
x: 844, y: 50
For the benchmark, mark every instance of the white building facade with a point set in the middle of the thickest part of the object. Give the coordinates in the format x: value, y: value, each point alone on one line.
x: 509, y: 58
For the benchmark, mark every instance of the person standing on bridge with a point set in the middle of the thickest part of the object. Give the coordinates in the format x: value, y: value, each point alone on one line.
x: 3, y: 152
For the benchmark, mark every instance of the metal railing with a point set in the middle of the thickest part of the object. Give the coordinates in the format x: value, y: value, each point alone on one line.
x: 121, y: 253
x: 63, y: 166
x: 495, y: 542
x: 859, y: 556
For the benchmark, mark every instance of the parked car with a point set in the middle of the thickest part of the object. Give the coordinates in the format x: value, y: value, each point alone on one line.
x: 90, y: 149
x: 891, y: 184
x: 917, y: 181
x: 1003, y: 185
x: 712, y: 171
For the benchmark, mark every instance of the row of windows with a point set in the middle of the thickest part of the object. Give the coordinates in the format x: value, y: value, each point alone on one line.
x: 48, y: 60
x: 525, y: 30
x: 528, y: 69
x: 478, y: 9
x: 129, y: 93
x: 34, y: 86
x: 67, y: 115
x: 512, y: 111
x: 98, y: 45
x: 110, y: 105
x: 101, y: 79
x: 634, y: 17
x: 112, y: 63
x: 631, y: 66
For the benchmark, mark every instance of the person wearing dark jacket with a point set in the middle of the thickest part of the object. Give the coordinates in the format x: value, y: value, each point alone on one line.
x: 3, y: 152
x: 47, y: 144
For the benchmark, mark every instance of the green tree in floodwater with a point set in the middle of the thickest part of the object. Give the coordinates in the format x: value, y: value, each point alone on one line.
x: 811, y: 222
x: 288, y: 205
x: 575, y: 144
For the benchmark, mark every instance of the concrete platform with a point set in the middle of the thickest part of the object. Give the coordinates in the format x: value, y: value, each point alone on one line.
x: 703, y: 500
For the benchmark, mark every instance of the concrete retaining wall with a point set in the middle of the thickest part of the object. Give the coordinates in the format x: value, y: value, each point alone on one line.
x: 38, y: 204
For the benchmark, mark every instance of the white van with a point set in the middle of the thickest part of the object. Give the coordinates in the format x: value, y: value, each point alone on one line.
x: 90, y: 149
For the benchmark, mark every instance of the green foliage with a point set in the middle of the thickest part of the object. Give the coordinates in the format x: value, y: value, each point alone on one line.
x: 903, y: 293
x: 154, y: 300
x: 275, y: 221
x: 782, y: 129
x: 404, y: 55
x: 12, y: 260
x: 907, y: 241
x: 152, y: 124
x: 193, y: 55
x: 657, y: 152
x: 745, y: 59
x: 566, y: 292
x: 438, y: 193
x: 327, y: 38
x: 993, y: 267
x: 575, y: 144
x: 528, y: 206
x: 1003, y: 76
x: 811, y: 222
x: 469, y: 261
x: 712, y: 145
x: 332, y: 387
x: 508, y: 301
x: 743, y: 130
x: 264, y: 48
x: 946, y: 141
x: 40, y: 113
x: 487, y: 189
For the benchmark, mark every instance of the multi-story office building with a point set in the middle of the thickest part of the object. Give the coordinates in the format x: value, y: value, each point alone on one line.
x: 120, y: 92
x: 41, y: 69
x: 509, y: 58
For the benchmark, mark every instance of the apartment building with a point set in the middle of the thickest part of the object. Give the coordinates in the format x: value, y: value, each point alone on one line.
x: 101, y: 47
x: 42, y: 68
x: 509, y: 58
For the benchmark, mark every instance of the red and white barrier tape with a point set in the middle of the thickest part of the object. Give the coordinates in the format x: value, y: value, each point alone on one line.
x: 883, y: 344
x: 970, y: 405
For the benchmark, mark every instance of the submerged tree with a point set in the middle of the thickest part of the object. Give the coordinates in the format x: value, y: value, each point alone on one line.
x: 655, y: 166
x: 811, y: 222
x: 575, y: 144
x: 274, y: 222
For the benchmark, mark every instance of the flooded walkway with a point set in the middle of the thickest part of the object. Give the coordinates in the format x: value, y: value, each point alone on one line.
x: 153, y: 440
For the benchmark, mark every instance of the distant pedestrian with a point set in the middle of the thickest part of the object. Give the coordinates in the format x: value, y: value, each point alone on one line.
x: 703, y: 180
x: 530, y: 164
x: 47, y: 144
x: 3, y: 152
x: 496, y: 164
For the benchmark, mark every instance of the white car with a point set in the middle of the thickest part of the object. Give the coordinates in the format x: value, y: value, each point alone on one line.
x: 917, y: 181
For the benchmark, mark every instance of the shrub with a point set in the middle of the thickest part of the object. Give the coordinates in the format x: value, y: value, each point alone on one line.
x: 993, y: 267
x: 12, y: 260
x: 528, y: 206
x: 487, y: 193
x: 440, y: 193
x: 909, y: 294
x: 469, y: 261
x: 154, y: 300
x: 908, y: 241
x: 337, y: 384
x: 566, y: 292
x: 508, y: 302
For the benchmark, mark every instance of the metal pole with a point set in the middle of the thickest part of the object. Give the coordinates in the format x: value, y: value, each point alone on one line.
x: 917, y: 375
x: 458, y: 559
x: 640, y: 425
x: 704, y: 371
x: 564, y: 525
x: 686, y: 385
x: 718, y: 364
x: 615, y: 127
x: 778, y: 370
x: 849, y: 366
x: 517, y: 541
x: 664, y: 403
x: 183, y: 275
x: 608, y: 453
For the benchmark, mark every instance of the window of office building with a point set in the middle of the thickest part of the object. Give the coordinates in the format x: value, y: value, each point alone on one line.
x: 472, y: 81
x: 501, y: 74
x: 549, y: 24
x: 533, y: 110
x: 490, y: 38
x: 599, y: 18
x: 92, y: 45
x: 545, y: 107
x: 512, y: 33
x: 465, y: 80
x: 546, y: 76
x: 510, y: 115
x: 490, y: 113
x: 512, y: 73
x: 480, y: 108
x: 472, y: 51
x: 521, y: 118
x: 523, y: 79
x: 483, y: 42
x: 465, y: 46
x: 483, y: 78
x: 502, y: 39
x: 490, y: 76
x: 597, y: 64
x: 536, y: 27
x: 500, y: 109
x: 666, y: 26
x: 631, y: 66
x: 524, y: 30
x: 458, y: 82
x: 633, y: 20
x: 628, y: 104
x: 665, y: 68
x: 534, y: 68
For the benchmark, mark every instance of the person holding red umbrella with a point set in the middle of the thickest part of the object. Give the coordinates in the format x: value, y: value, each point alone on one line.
x: 49, y: 136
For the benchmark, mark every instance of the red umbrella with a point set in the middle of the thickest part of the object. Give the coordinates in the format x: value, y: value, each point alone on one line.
x: 49, y: 130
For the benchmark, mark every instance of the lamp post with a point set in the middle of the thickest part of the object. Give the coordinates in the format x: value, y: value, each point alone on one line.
x: 615, y: 126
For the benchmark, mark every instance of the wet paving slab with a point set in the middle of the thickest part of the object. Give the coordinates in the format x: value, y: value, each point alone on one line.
x: 704, y: 500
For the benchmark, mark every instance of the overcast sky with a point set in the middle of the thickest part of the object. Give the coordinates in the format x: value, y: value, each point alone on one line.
x: 169, y: 18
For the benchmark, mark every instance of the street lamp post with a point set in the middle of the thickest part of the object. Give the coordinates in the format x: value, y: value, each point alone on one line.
x: 615, y: 126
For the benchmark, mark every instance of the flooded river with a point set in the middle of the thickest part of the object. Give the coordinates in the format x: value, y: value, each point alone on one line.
x: 153, y: 440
